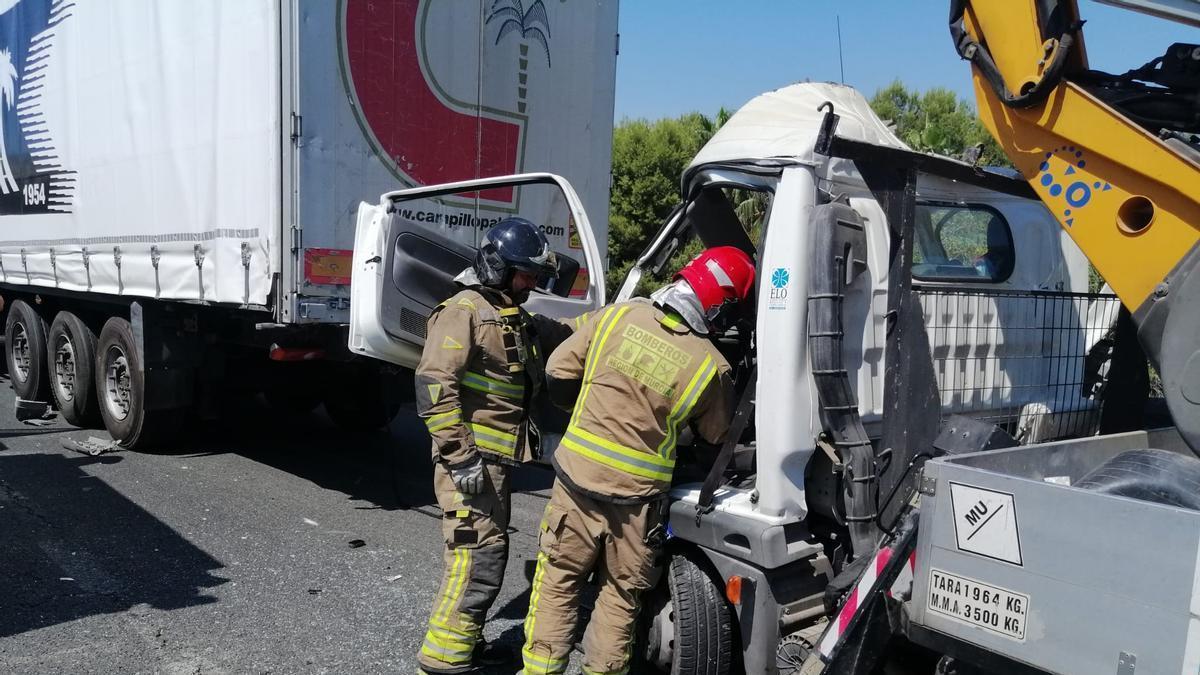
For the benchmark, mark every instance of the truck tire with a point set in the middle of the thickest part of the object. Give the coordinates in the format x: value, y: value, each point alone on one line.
x: 1151, y: 475
x: 25, y: 352
x: 366, y: 398
x: 703, y: 621
x: 121, y: 391
x: 71, y: 367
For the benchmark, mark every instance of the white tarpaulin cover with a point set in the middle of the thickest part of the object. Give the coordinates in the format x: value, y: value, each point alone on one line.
x: 141, y: 146
x: 785, y: 123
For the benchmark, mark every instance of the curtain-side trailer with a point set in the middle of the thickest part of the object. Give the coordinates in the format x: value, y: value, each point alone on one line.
x: 179, y: 182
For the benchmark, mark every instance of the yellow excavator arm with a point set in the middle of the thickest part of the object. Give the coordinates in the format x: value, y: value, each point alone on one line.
x: 1115, y: 158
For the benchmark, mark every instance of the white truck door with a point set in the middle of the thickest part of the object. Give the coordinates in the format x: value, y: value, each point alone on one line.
x: 408, y: 249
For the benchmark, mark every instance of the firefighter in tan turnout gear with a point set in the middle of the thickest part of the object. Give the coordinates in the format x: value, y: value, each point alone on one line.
x: 481, y: 367
x: 637, y: 373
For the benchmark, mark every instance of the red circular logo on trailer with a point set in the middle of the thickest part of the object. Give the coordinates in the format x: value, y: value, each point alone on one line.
x: 424, y: 138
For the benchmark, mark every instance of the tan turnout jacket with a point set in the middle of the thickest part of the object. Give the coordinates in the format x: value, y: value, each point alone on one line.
x: 481, y: 367
x: 644, y: 375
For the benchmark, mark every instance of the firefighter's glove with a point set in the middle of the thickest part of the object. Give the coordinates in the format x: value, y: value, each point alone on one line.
x: 469, y: 479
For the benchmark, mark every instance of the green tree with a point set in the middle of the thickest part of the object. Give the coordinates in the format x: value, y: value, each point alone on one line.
x: 648, y: 161
x: 936, y: 121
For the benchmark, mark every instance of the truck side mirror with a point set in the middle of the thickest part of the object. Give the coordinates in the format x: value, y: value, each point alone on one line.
x: 568, y: 272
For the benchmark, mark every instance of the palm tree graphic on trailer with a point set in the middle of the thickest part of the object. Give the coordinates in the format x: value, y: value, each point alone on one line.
x: 533, y: 25
x: 530, y: 25
x: 8, y: 94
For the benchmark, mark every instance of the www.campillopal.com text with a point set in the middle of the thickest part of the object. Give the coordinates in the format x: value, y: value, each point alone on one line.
x: 459, y: 220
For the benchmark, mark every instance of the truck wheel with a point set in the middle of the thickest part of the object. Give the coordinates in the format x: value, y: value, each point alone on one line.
x: 71, y: 363
x: 25, y: 349
x: 703, y: 626
x: 367, y: 399
x: 121, y: 390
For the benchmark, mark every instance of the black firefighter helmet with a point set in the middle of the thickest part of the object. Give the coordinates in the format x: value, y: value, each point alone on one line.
x: 514, y: 244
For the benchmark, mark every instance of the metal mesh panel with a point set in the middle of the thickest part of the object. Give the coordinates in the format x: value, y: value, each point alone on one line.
x: 412, y: 322
x: 1018, y: 359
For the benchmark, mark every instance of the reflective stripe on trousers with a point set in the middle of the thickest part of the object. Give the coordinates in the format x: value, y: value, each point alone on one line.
x: 536, y: 664
x: 444, y: 641
x: 581, y: 537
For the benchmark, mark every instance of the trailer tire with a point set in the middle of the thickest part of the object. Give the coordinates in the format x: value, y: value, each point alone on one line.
x: 703, y: 621
x: 25, y: 352
x: 121, y: 391
x: 71, y: 367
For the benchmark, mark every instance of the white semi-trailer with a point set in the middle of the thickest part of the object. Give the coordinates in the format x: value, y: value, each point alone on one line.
x: 179, y: 182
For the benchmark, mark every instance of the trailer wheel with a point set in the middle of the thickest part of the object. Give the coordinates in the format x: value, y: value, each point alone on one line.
x: 702, y: 625
x: 71, y: 363
x: 121, y: 390
x: 366, y: 398
x: 25, y: 349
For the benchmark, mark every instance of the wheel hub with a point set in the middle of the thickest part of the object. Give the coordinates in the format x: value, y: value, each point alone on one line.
x: 796, y: 653
x: 64, y: 369
x: 660, y: 645
x: 20, y: 352
x: 117, y: 385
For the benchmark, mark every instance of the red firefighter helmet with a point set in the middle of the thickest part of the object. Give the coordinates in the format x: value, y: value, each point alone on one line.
x: 721, y: 277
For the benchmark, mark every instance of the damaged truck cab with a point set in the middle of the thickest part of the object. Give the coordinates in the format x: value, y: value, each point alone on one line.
x: 823, y: 440
x: 998, y: 294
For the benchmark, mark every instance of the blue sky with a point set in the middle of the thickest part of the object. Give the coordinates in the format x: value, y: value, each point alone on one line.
x: 683, y: 55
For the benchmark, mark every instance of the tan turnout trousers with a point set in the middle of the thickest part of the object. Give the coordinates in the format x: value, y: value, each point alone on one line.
x: 480, y: 368
x: 475, y: 528
x: 579, y: 534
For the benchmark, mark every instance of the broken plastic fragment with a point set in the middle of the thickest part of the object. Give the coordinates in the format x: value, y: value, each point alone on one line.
x: 92, y: 446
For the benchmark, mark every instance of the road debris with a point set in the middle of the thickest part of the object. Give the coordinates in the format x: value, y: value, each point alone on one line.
x: 33, y: 413
x: 92, y: 446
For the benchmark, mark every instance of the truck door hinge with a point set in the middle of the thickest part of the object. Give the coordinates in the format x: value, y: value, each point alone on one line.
x: 297, y: 239
x: 297, y: 127
x: 928, y: 484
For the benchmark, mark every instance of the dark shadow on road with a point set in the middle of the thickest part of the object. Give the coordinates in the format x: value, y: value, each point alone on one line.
x: 74, y: 547
x: 26, y: 431
x: 388, y: 469
x: 17, y: 432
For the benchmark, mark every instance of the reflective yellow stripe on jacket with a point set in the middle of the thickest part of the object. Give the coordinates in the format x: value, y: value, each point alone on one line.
x: 629, y: 460
x: 683, y: 407
x: 658, y: 466
x: 495, y: 440
x: 442, y: 420
x: 603, y: 329
x: 490, y: 385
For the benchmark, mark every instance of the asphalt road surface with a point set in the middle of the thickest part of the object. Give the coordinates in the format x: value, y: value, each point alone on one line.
x: 232, y: 554
x: 264, y: 544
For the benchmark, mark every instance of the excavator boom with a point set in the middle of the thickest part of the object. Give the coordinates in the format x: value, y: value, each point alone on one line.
x: 1116, y: 159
